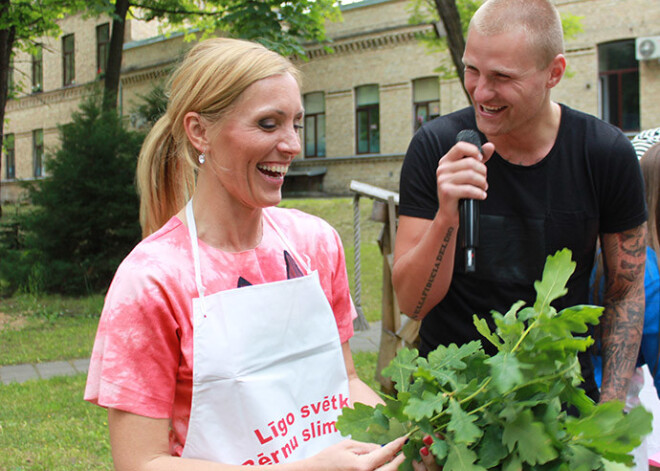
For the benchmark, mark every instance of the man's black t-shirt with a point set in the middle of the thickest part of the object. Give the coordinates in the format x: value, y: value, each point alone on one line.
x: 589, y: 183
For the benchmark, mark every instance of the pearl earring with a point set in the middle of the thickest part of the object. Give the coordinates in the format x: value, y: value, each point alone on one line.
x: 201, y: 158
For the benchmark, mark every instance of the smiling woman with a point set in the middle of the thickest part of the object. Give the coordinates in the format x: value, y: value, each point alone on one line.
x: 232, y: 314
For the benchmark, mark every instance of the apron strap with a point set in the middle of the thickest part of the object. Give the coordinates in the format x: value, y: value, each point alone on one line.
x: 192, y: 230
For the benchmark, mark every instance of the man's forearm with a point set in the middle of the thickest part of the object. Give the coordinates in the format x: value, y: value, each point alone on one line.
x: 623, y: 319
x: 620, y: 346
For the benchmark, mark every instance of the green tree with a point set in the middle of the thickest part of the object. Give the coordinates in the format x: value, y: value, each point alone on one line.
x: 85, y: 218
x: 22, y: 24
x: 280, y: 25
x: 455, y: 17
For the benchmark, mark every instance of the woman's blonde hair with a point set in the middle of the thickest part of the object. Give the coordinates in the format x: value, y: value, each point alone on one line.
x: 211, y: 77
x: 650, y: 163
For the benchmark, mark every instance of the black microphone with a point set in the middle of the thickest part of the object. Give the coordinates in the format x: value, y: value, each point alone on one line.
x: 469, y: 211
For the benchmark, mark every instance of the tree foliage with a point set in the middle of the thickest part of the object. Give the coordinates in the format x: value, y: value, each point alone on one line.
x: 507, y: 411
x: 22, y: 24
x: 280, y: 25
x: 85, y: 218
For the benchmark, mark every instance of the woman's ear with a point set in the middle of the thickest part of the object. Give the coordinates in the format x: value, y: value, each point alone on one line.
x: 196, y: 130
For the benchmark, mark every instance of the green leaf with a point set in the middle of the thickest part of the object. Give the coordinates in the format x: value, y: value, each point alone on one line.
x: 576, y: 318
x: 558, y: 269
x: 462, y: 424
x: 401, y: 368
x: 582, y: 458
x: 609, y: 432
x: 427, y: 406
x: 460, y: 458
x: 512, y: 463
x: 484, y: 329
x: 452, y: 356
x: 356, y: 421
x: 505, y: 370
x: 439, y: 449
x: 529, y: 438
x: 491, y: 452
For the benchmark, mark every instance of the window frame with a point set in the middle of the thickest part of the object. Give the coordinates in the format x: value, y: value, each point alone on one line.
x: 314, y: 117
x: 417, y: 105
x: 68, y: 60
x: 102, y: 49
x: 617, y: 76
x: 10, y: 156
x: 37, y: 153
x: 370, y: 109
x: 38, y: 70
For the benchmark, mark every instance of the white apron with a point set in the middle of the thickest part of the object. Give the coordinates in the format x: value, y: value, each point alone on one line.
x: 269, y: 378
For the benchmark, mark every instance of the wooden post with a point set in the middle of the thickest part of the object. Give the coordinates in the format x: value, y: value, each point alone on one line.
x: 394, y: 332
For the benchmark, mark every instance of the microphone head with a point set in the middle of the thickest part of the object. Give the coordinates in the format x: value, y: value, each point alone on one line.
x: 471, y: 136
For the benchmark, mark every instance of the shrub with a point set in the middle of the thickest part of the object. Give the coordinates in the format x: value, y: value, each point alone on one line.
x: 86, y: 212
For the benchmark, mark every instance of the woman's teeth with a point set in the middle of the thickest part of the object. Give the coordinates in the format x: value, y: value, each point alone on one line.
x: 273, y: 170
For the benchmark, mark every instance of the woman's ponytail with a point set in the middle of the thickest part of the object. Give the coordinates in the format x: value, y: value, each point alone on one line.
x: 164, y: 180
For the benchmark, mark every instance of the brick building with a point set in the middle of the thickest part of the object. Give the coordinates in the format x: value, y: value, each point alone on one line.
x: 363, y: 102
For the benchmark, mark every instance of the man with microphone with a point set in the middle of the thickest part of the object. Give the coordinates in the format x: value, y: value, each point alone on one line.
x: 546, y: 177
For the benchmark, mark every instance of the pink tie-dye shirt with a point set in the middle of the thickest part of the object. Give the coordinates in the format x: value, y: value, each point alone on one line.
x: 143, y: 354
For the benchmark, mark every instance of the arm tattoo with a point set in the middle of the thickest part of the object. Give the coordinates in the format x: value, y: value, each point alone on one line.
x: 434, y: 272
x: 623, y: 317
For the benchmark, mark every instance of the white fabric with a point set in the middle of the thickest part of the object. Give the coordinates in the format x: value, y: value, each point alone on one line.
x: 269, y: 378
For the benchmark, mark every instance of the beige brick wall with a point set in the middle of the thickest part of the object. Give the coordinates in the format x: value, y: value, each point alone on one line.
x: 374, y: 44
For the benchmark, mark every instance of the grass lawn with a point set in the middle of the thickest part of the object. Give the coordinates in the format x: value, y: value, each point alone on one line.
x: 46, y: 425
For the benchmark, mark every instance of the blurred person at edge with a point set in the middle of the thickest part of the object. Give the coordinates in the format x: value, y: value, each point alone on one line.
x: 224, y: 336
x: 548, y: 177
x: 649, y: 352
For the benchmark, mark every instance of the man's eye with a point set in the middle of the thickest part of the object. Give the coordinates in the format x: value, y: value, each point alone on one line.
x: 298, y: 126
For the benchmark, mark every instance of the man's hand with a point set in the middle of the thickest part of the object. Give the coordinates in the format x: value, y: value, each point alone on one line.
x: 461, y: 174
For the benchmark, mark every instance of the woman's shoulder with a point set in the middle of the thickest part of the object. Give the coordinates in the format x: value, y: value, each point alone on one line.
x: 160, y: 255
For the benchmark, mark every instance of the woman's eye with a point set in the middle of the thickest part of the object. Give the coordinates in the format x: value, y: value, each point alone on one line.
x: 298, y: 126
x: 267, y: 124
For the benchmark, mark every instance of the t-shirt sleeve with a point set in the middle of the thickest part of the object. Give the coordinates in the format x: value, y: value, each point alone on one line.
x: 622, y: 201
x: 136, y: 353
x: 418, y: 194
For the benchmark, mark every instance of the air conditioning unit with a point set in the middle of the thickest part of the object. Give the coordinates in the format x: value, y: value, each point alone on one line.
x: 647, y: 48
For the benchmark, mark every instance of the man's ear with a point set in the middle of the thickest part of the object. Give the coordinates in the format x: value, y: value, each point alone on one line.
x: 195, y: 128
x: 557, y: 69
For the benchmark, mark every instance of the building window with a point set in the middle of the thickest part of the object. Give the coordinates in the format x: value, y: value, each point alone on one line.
x: 38, y: 152
x: 68, y: 59
x: 10, y: 157
x: 10, y: 77
x: 38, y: 70
x: 102, y: 48
x: 618, y: 74
x: 426, y: 100
x: 315, y: 124
x: 367, y: 120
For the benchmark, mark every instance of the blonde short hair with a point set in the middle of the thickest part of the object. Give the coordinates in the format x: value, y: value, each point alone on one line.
x: 538, y: 19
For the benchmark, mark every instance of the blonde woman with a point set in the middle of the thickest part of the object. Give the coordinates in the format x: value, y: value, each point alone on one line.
x: 224, y: 336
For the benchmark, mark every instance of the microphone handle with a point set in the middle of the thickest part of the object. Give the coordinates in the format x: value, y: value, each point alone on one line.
x: 469, y: 222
